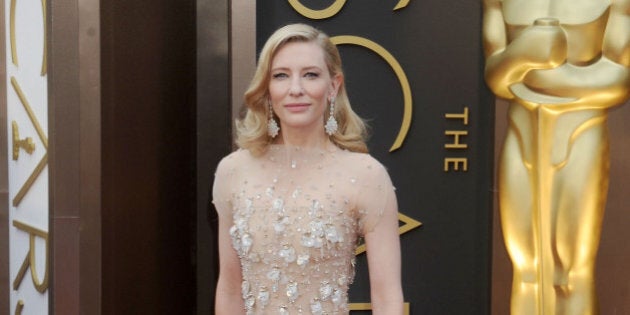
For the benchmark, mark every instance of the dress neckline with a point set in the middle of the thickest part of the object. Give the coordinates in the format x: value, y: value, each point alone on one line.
x: 296, y: 157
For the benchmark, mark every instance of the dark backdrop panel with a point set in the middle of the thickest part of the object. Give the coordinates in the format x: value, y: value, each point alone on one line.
x: 214, y: 137
x: 446, y: 265
x: 148, y: 156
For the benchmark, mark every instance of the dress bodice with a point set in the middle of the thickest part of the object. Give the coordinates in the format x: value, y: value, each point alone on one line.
x: 297, y: 217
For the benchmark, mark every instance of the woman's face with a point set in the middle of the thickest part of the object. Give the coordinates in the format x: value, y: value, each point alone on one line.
x: 300, y: 87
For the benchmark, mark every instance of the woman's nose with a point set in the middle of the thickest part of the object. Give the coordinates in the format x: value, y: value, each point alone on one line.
x: 296, y: 86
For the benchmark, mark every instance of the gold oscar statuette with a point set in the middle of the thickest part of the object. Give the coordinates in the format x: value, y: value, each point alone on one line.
x: 562, y: 65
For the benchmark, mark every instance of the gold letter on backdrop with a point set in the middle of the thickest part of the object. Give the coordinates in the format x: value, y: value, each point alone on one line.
x: 42, y: 136
x: 400, y: 74
x: 30, y: 260
x: 562, y: 64
x: 12, y: 35
x: 332, y: 10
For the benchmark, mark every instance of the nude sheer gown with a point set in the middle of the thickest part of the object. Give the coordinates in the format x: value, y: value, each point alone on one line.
x: 297, y: 217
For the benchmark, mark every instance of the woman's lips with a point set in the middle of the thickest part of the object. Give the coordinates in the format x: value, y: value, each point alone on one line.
x: 296, y: 107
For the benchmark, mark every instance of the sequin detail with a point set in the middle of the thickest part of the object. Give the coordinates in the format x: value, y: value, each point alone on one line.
x: 296, y: 223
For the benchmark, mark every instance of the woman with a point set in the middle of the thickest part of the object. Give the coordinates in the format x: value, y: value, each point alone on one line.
x: 300, y: 192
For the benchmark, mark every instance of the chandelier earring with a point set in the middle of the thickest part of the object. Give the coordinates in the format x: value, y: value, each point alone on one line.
x: 331, y: 125
x: 272, y: 125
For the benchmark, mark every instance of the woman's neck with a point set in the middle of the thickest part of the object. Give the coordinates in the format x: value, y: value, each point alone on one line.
x: 305, y: 140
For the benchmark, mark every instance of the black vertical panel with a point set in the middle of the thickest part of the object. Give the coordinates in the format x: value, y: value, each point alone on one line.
x: 446, y: 263
x: 148, y: 156
x: 214, y: 137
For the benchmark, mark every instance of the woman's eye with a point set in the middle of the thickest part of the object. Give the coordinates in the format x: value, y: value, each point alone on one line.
x: 279, y: 75
x: 311, y: 74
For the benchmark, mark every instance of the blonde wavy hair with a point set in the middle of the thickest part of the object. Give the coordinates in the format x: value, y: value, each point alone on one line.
x: 251, y: 131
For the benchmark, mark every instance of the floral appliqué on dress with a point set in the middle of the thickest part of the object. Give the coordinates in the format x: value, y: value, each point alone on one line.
x: 297, y: 215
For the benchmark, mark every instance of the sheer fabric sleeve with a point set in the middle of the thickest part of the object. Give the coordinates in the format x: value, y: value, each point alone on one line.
x: 221, y: 189
x: 376, y: 196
